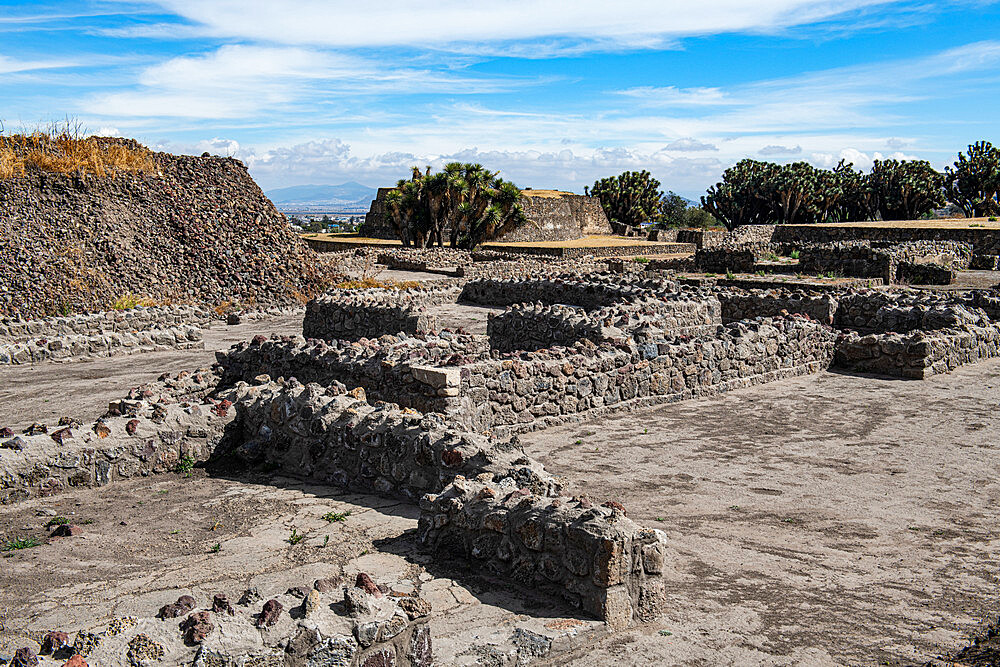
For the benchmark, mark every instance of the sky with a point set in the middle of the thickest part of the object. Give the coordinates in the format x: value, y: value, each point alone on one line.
x: 552, y: 94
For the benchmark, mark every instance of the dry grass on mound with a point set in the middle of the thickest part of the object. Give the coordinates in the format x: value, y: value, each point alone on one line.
x: 372, y: 283
x: 65, y: 151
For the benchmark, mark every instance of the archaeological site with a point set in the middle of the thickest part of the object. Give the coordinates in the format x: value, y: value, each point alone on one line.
x: 222, y: 444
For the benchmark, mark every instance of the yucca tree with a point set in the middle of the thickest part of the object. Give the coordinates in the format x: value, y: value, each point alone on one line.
x: 905, y: 189
x: 469, y: 202
x: 631, y: 198
x: 974, y: 182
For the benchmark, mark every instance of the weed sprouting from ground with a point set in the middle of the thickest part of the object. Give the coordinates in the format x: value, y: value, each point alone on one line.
x: 185, y: 465
x: 331, y: 517
x: 296, y: 537
x: 21, y: 543
x: 56, y: 521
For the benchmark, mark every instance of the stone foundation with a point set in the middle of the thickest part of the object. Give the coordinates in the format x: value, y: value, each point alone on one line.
x: 595, y: 558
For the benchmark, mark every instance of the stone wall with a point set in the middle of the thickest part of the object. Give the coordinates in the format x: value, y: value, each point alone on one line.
x: 419, y: 372
x: 111, y: 344
x: 595, y: 558
x: 548, y: 387
x: 133, y: 319
x: 983, y: 241
x: 918, y: 354
x: 136, y: 437
x: 534, y: 327
x: 749, y: 304
x: 370, y: 313
x: 735, y: 259
x: 552, y: 216
x: 351, y: 625
x: 330, y: 437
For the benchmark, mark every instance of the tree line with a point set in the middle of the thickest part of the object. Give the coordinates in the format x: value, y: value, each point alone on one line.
x: 754, y: 192
x: 467, y: 204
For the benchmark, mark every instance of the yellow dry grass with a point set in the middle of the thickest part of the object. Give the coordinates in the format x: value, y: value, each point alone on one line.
x: 585, y: 242
x: 545, y: 194
x: 371, y: 283
x: 65, y: 152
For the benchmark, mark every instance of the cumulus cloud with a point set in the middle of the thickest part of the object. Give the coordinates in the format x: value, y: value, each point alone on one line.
x: 774, y: 149
x: 690, y: 144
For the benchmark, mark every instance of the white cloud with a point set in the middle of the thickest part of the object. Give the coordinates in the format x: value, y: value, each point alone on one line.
x: 671, y: 96
x: 690, y: 144
x: 9, y: 65
x: 108, y: 132
x: 774, y: 149
x: 238, y: 81
x: 622, y: 24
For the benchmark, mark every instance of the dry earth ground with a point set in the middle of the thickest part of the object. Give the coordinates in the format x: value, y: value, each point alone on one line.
x: 829, y: 519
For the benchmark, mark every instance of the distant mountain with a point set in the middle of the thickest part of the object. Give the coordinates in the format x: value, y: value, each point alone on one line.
x: 346, y: 196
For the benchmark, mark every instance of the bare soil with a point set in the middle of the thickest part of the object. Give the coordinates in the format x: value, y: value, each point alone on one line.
x: 830, y: 519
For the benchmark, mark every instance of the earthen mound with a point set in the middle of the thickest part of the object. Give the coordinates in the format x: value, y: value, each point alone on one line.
x: 191, y: 229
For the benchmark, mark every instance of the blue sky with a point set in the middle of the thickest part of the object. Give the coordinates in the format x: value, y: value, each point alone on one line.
x: 555, y: 94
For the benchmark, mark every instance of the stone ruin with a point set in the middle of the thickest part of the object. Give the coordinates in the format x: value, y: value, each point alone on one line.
x: 380, y: 397
x: 552, y: 216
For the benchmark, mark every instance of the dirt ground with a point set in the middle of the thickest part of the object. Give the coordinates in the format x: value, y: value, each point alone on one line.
x: 145, y: 542
x: 829, y: 519
x: 82, y: 389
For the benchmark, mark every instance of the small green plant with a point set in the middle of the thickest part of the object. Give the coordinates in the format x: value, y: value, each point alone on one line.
x: 659, y: 518
x: 976, y: 224
x: 331, y: 517
x: 578, y: 442
x: 992, y: 218
x: 21, y: 543
x: 665, y: 633
x: 326, y: 540
x: 761, y: 272
x: 57, y: 521
x: 730, y: 275
x: 65, y: 309
x: 185, y: 465
x: 216, y: 548
x: 771, y: 257
x: 174, y: 532
x: 130, y: 301
x: 641, y: 260
x: 86, y: 522
x: 794, y: 254
x: 296, y: 537
x: 709, y: 275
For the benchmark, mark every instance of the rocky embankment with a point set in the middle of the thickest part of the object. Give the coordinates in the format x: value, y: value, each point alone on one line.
x: 195, y: 229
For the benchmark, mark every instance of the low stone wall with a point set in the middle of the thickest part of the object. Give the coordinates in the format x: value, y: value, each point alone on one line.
x: 136, y: 437
x: 919, y: 354
x: 370, y: 313
x: 916, y: 261
x: 593, y: 557
x: 111, y: 344
x: 534, y: 327
x: 321, y: 434
x: 128, y: 321
x: 984, y: 241
x: 415, y: 372
x: 545, y: 388
x: 881, y: 311
x: 588, y: 293
x: 745, y: 305
x: 741, y: 259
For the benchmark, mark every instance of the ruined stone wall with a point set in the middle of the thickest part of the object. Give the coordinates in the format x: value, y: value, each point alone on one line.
x: 725, y: 259
x: 370, y: 313
x: 589, y: 293
x: 984, y: 241
x: 534, y: 327
x: 749, y: 304
x: 136, y: 437
x: 133, y: 319
x: 918, y: 354
x: 881, y: 312
x: 544, y: 388
x: 89, y: 346
x: 593, y: 557
x: 417, y: 372
x: 377, y: 224
x: 321, y: 434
